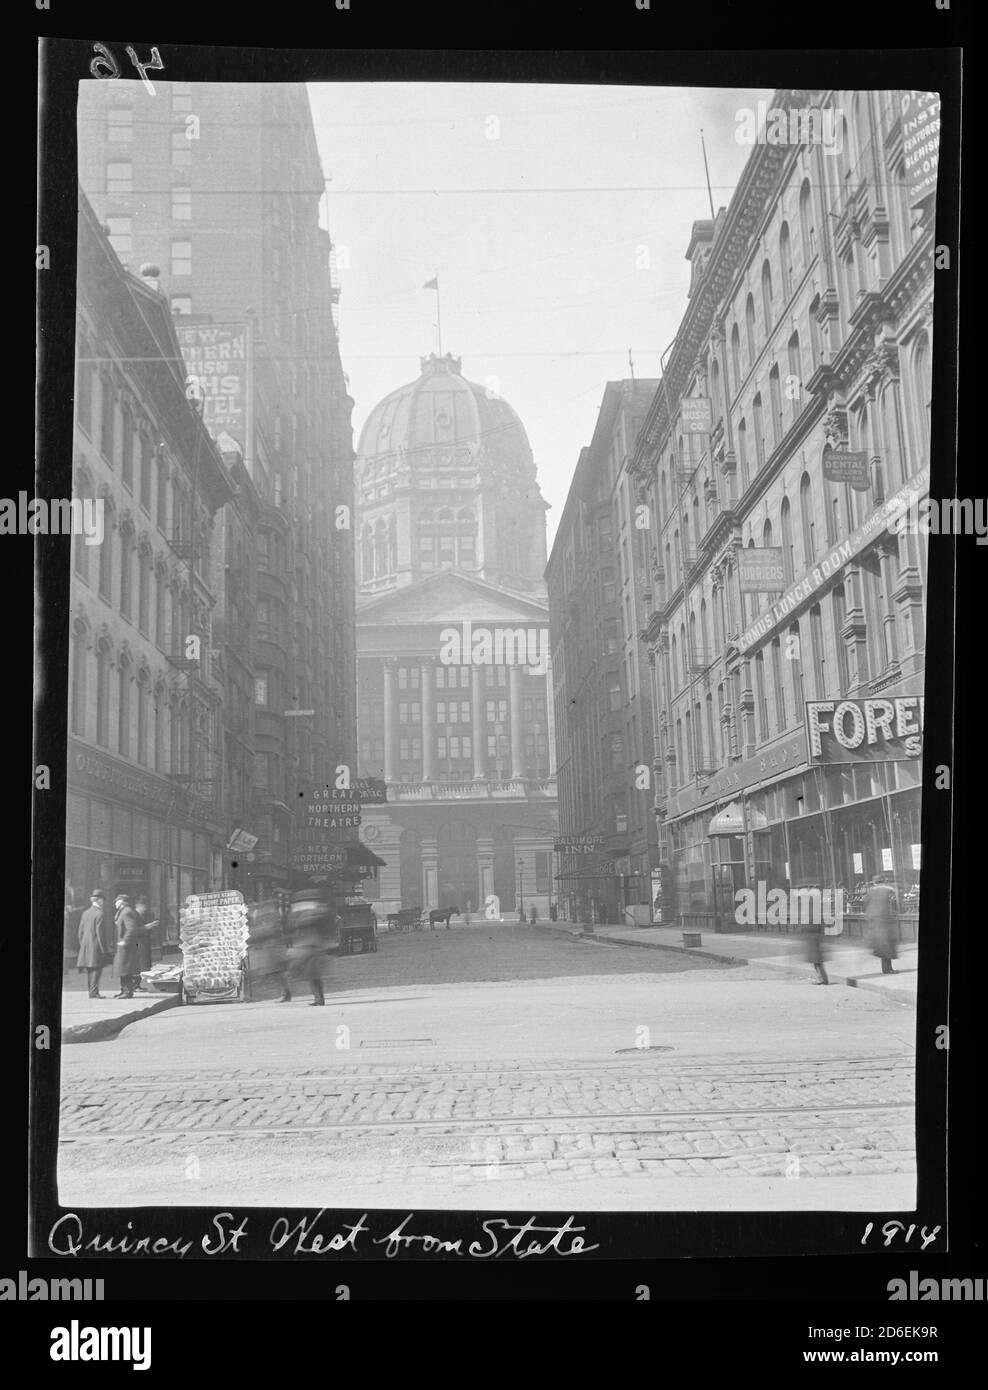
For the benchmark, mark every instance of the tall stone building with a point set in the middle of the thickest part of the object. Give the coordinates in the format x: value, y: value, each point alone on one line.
x: 455, y: 710
x: 599, y: 577
x: 146, y: 687
x: 219, y: 186
x: 808, y: 338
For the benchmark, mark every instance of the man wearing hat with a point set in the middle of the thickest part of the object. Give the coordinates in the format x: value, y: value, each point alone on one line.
x: 128, y: 958
x: 95, y: 942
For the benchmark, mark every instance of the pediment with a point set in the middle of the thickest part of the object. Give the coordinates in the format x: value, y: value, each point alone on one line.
x: 450, y: 597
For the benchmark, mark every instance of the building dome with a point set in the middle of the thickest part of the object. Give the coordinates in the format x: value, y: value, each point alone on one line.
x: 444, y: 419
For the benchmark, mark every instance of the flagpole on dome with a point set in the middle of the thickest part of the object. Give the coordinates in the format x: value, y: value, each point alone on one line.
x: 433, y: 284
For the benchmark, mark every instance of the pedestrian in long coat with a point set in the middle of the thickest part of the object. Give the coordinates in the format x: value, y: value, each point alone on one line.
x: 128, y: 958
x: 143, y: 914
x: 880, y: 911
x: 95, y: 943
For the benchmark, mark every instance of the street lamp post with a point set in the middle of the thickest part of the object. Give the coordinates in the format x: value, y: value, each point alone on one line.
x: 521, y: 895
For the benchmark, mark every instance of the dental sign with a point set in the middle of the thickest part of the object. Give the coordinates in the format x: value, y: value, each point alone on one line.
x: 853, y: 731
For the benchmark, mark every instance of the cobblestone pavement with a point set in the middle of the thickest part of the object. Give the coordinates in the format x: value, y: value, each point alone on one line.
x: 455, y: 1122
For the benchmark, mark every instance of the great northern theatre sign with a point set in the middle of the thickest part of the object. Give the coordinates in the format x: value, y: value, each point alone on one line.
x: 851, y: 731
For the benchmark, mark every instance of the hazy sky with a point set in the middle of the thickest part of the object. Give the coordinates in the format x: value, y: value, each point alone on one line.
x: 542, y: 292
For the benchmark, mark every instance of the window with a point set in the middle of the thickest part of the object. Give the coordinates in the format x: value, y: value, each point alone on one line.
x: 127, y: 449
x: 749, y: 329
x: 736, y: 357
x: 807, y: 520
x: 182, y: 259
x: 806, y: 233
x: 840, y: 618
x: 119, y: 125
x: 743, y: 454
x: 78, y: 701
x: 778, y: 689
x: 795, y: 657
x: 818, y: 653
x: 617, y: 752
x: 612, y: 640
x: 120, y: 230
x: 181, y: 149
x: 103, y: 692
x: 123, y: 710
x: 126, y: 571
x: 261, y: 690
x: 181, y: 304
x: 775, y: 400
x: 119, y: 179
x: 759, y: 425
x: 788, y: 549
x: 767, y: 307
x: 614, y: 695
x: 785, y: 257
x: 761, y: 703
x: 181, y: 204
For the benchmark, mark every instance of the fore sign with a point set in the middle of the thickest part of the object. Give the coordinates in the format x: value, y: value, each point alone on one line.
x: 876, y: 730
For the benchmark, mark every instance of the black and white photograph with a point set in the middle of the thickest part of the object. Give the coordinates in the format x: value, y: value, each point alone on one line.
x: 497, y: 622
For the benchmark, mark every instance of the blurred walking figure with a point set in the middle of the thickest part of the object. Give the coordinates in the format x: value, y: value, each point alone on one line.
x: 314, y: 929
x: 128, y: 958
x: 95, y: 943
x: 880, y: 912
x: 814, y: 951
x: 268, y: 945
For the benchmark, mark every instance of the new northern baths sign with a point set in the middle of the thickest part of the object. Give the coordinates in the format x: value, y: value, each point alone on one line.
x: 880, y: 520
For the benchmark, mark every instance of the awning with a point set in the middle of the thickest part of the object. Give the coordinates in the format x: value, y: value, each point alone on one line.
x: 359, y: 856
x: 729, y: 820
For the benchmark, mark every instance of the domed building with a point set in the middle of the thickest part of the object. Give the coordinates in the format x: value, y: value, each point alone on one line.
x: 453, y: 673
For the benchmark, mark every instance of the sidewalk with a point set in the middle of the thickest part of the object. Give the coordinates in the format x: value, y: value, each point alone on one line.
x: 96, y: 1020
x: 848, y: 962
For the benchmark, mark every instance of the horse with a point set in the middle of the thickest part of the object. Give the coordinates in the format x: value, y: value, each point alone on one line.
x: 441, y: 914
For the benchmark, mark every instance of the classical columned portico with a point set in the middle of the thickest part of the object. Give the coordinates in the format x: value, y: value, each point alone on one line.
x: 390, y: 688
x: 517, y: 730
x: 428, y: 720
x: 477, y: 728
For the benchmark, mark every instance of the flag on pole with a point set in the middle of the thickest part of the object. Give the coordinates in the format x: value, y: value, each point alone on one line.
x: 431, y: 284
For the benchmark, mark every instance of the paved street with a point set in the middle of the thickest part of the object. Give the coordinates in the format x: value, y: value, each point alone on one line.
x: 493, y: 1066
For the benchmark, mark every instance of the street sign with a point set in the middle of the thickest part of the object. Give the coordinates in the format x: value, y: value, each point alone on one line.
x: 577, y: 844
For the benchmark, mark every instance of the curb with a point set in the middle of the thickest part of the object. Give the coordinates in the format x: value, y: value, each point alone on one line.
x: 103, y: 1029
x: 648, y: 945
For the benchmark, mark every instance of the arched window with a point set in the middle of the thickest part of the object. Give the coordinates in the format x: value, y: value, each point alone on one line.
x: 759, y: 426
x: 161, y: 608
x: 78, y: 698
x: 714, y: 759
x: 696, y: 520
x: 749, y: 329
x: 806, y: 519
x: 794, y: 385
x: 106, y: 553
x: 736, y: 357
x: 743, y: 453
x: 816, y: 348
x: 124, y: 678
x: 921, y: 395
x: 704, y: 632
x: 143, y: 682
x: 807, y: 234
x: 103, y: 692
x: 127, y: 447
x: 126, y: 569
x: 718, y: 409
x: 688, y: 745
x: 788, y: 553
x: 675, y: 662
x: 892, y: 453
x: 775, y: 400
x: 107, y: 418
x: 767, y: 307
x: 144, y: 588
x: 146, y: 455
x: 718, y: 607
x: 785, y: 259
x: 158, y: 733
x: 678, y: 552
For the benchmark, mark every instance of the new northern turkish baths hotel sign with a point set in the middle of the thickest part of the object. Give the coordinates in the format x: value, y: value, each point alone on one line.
x: 818, y: 575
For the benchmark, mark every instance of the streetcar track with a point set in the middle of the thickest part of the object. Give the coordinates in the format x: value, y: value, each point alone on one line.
x: 453, y: 1125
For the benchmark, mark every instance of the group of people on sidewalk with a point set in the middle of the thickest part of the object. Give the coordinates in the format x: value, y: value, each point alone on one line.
x: 123, y: 941
x: 881, y: 930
